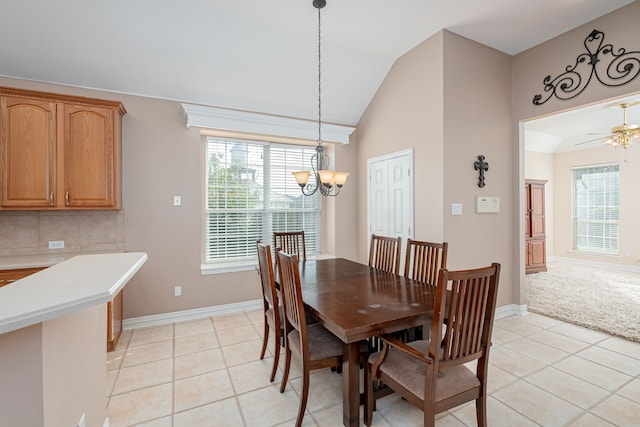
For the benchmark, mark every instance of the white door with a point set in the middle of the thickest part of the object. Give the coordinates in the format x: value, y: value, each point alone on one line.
x: 390, y: 195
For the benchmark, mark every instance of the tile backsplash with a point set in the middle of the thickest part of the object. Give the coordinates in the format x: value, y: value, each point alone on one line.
x: 29, y: 233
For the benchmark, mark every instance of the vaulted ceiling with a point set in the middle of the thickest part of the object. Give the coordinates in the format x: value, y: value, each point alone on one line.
x: 257, y: 55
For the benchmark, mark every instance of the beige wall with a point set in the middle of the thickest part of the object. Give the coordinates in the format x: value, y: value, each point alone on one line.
x: 540, y: 166
x: 629, y: 232
x: 450, y: 98
x: 346, y: 218
x: 407, y: 112
x: 621, y: 29
x: 162, y: 158
x: 450, y: 112
x: 477, y: 120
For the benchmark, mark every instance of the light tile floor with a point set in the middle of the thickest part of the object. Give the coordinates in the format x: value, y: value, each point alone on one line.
x: 543, y: 372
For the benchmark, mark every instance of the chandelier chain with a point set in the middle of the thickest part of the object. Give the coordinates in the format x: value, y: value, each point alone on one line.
x: 319, y: 82
x: 329, y: 182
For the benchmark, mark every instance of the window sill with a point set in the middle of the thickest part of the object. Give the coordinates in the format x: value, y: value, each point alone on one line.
x: 206, y: 269
x: 594, y: 254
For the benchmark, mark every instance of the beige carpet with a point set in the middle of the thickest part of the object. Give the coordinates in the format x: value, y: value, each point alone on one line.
x: 601, y: 299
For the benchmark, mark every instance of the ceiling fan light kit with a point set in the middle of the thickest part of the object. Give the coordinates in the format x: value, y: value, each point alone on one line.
x: 625, y: 134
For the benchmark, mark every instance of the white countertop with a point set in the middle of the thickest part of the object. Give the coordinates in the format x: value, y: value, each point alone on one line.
x: 68, y: 286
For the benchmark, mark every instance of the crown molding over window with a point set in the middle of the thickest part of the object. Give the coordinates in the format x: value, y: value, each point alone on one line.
x: 243, y: 121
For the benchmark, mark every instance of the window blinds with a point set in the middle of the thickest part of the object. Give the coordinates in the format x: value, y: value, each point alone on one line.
x: 596, y: 208
x: 251, y: 193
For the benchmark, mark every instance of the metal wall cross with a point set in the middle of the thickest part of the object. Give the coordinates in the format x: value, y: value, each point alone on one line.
x: 482, y: 166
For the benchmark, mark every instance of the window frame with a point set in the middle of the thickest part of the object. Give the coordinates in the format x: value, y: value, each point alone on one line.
x: 609, y: 217
x: 268, y: 213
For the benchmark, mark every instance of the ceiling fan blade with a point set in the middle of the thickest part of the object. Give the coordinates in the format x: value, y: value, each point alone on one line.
x: 598, y: 133
x: 591, y: 140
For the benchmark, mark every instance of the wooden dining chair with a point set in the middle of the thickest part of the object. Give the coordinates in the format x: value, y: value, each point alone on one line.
x: 384, y: 253
x: 432, y: 374
x: 273, y: 310
x: 424, y: 259
x: 291, y: 242
x: 313, y: 345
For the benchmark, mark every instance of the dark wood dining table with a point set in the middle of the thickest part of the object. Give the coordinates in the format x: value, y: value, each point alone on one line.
x: 356, y: 302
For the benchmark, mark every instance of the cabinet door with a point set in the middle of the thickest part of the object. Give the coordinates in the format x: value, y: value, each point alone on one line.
x: 537, y: 253
x: 28, y: 152
x: 537, y: 210
x: 527, y: 210
x: 89, y: 156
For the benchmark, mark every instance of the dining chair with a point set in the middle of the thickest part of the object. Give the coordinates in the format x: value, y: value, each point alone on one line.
x: 384, y: 253
x: 432, y: 374
x: 291, y: 242
x: 273, y: 310
x: 423, y: 260
x: 313, y: 345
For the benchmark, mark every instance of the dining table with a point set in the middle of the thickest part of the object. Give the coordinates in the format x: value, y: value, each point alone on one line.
x: 357, y: 302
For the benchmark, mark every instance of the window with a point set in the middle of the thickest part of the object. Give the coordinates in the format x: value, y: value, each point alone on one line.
x: 250, y: 194
x: 596, y: 209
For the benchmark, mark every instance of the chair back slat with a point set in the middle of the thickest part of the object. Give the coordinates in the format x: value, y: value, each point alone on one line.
x: 384, y: 253
x: 267, y: 278
x: 470, y: 312
x: 424, y: 259
x: 291, y: 291
x: 291, y: 242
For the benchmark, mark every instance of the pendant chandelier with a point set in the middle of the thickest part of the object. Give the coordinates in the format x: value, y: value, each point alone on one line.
x: 320, y: 178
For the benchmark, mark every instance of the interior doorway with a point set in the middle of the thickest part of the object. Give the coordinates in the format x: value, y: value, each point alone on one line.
x: 551, y: 147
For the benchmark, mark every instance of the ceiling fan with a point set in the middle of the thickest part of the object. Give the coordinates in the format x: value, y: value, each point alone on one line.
x: 623, y: 135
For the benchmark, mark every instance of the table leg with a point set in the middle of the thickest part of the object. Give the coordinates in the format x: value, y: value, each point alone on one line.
x: 351, y: 385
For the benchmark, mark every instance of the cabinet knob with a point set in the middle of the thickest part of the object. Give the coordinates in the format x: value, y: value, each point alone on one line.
x: 66, y: 198
x: 51, y: 198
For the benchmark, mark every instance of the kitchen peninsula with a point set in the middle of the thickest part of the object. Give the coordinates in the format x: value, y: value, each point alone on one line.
x: 52, y: 340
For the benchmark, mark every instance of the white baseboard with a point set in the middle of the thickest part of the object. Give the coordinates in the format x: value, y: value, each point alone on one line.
x: 510, y: 310
x: 199, y: 313
x: 609, y: 265
x: 193, y: 314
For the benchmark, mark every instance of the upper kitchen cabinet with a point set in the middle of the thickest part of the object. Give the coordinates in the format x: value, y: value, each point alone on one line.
x: 59, y: 152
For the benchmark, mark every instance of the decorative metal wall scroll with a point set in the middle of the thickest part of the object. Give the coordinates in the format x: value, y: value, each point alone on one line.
x: 611, y: 68
x: 481, y: 166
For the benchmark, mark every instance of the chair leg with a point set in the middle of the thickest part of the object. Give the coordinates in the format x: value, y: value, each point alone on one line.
x: 429, y: 416
x: 265, y: 338
x: 276, y: 356
x: 304, y: 397
x: 287, y: 365
x: 368, y: 395
x: 481, y: 411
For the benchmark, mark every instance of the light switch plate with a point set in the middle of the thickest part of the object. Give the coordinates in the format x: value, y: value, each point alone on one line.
x: 456, y: 208
x: 177, y: 201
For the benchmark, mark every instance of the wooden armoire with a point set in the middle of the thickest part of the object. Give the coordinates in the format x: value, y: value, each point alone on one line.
x: 535, y: 239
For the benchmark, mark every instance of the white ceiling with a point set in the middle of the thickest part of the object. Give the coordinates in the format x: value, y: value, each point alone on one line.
x: 257, y: 55
x: 580, y: 129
